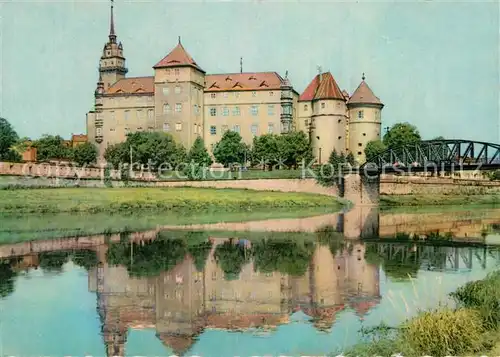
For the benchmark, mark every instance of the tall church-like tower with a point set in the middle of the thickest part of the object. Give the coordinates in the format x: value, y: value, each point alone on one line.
x: 112, y: 63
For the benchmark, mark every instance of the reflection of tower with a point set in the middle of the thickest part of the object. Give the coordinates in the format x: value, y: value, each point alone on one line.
x: 326, y: 274
x: 180, y: 305
x: 361, y: 222
x: 363, y: 281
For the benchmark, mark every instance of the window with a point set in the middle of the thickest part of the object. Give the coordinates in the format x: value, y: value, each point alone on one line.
x: 213, y: 95
x: 339, y: 121
x: 360, y: 114
x: 165, y: 90
x: 195, y: 128
x: 111, y: 129
x: 359, y: 152
x: 213, y: 130
x: 166, y: 127
x: 306, y: 123
x: 254, y: 110
x: 271, y: 94
x: 127, y: 114
x: 139, y: 128
x: 127, y: 130
x: 224, y: 94
x: 178, y: 107
x: 213, y: 112
x: 254, y: 94
x: 306, y: 108
x: 254, y: 129
x: 166, y: 108
x: 340, y: 137
x: 178, y: 126
x: 225, y: 128
x: 322, y: 105
x: 237, y: 94
x: 236, y: 111
x: 359, y: 144
x: 236, y: 128
x: 98, y: 131
x: 364, y: 134
x: 225, y: 111
x: 270, y: 128
x: 270, y: 109
x: 176, y: 71
x: 140, y: 114
x: 112, y: 115
x: 177, y: 89
x: 150, y: 114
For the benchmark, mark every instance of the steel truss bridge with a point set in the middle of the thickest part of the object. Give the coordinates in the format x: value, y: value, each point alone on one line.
x: 436, y: 156
x: 438, y: 258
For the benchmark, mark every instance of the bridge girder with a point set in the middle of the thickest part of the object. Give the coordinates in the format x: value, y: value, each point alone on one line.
x: 440, y: 155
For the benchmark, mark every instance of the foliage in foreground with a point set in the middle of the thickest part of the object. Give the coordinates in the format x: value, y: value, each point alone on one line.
x: 469, y: 329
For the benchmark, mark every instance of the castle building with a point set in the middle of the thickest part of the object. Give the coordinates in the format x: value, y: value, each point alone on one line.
x: 180, y: 98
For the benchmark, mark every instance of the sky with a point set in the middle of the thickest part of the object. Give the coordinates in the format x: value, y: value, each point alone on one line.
x: 433, y: 64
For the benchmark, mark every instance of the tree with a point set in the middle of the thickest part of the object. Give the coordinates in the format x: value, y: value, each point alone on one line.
x: 350, y: 159
x: 400, y: 135
x: 8, y: 137
x: 7, y: 278
x: 231, y: 258
x: 115, y: 154
x: 146, y: 148
x: 439, y: 138
x: 265, y: 150
x: 199, y: 154
x: 373, y: 149
x: 230, y: 149
x: 51, y: 147
x: 294, y: 147
x: 85, y: 154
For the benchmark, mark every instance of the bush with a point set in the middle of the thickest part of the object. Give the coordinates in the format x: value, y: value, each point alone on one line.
x: 484, y: 296
x: 445, y: 332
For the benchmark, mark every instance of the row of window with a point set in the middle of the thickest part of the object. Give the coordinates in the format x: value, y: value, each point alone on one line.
x: 254, y: 129
x: 178, y: 108
x: 236, y: 94
x: 177, y: 90
x: 254, y: 111
x: 139, y: 114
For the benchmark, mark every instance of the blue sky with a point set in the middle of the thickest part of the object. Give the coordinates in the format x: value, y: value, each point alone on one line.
x: 433, y: 64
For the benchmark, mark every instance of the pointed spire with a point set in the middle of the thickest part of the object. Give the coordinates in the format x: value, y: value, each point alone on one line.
x: 363, y: 77
x: 241, y: 64
x: 112, y: 35
x: 180, y: 41
x: 364, y: 95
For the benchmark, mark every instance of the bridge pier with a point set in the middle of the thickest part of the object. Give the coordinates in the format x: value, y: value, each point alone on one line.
x: 360, y: 189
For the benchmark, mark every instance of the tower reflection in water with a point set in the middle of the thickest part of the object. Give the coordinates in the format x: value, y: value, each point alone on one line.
x: 227, y: 284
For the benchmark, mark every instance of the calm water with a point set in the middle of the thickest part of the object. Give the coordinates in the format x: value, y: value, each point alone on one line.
x: 216, y: 295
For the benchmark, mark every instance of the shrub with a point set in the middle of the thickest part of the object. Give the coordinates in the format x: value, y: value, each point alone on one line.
x: 484, y: 296
x: 445, y: 332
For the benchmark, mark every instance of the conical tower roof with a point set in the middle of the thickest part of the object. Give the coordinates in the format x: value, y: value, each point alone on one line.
x: 323, y: 86
x: 178, y: 57
x: 364, y: 95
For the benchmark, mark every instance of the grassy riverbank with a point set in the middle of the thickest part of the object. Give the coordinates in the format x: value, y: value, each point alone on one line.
x: 438, y: 200
x: 470, y: 328
x: 17, y: 228
x: 132, y: 199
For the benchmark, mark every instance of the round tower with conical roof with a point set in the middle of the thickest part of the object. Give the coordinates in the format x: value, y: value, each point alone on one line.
x: 322, y: 107
x: 365, y: 120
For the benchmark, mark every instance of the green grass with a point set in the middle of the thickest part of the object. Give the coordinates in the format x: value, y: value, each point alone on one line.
x: 181, y: 199
x: 438, y: 200
x: 18, y: 228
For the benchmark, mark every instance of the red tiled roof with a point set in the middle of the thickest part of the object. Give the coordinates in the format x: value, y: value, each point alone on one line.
x: 322, y: 87
x: 79, y: 138
x: 132, y: 86
x: 362, y: 307
x: 177, y: 57
x: 178, y: 343
x: 364, y: 95
x: 243, y: 81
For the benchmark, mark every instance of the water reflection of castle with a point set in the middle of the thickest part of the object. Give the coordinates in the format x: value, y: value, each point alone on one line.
x: 182, y: 302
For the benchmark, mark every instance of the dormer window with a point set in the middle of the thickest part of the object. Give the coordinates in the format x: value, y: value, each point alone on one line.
x: 252, y: 78
x: 228, y: 79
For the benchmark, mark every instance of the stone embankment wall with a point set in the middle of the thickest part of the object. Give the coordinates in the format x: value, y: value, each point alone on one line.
x: 418, y: 185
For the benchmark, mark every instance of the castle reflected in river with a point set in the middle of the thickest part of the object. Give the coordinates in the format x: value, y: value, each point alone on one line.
x: 182, y: 302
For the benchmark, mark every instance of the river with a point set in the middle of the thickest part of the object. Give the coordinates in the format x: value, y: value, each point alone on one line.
x: 238, y: 289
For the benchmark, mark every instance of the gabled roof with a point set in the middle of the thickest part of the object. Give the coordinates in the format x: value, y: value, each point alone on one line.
x: 323, y: 86
x: 364, y: 95
x: 136, y: 85
x: 243, y: 81
x: 178, y: 57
